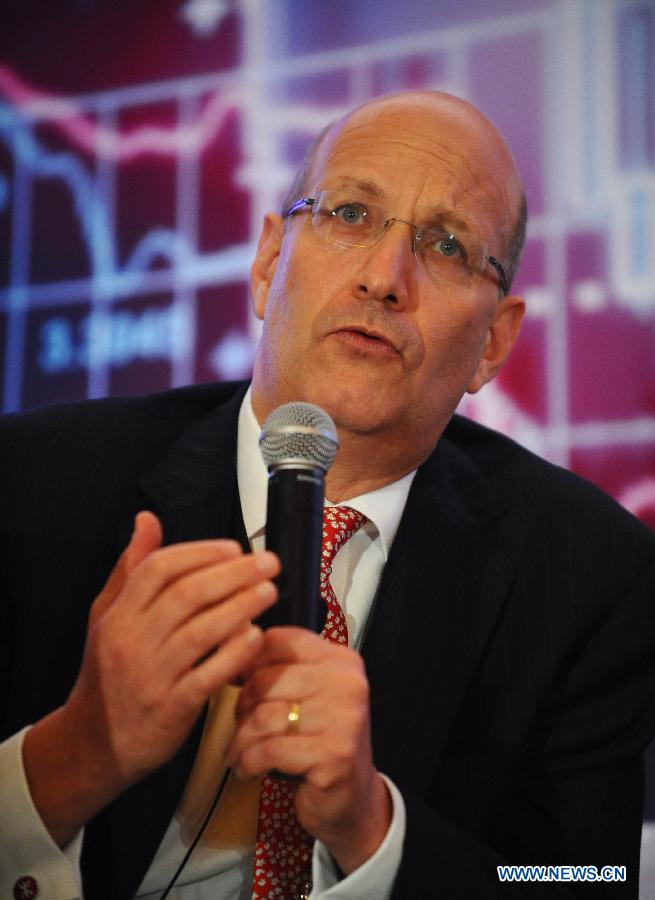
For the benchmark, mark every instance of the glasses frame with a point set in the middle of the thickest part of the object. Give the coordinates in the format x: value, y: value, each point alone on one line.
x: 309, y: 202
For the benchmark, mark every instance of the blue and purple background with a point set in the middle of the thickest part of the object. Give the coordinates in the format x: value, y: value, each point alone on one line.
x: 141, y: 143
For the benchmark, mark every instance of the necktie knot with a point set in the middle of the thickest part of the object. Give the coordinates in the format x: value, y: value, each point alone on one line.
x: 339, y: 525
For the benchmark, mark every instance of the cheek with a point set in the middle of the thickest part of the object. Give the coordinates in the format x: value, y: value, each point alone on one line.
x: 455, y: 343
x: 288, y: 318
x: 280, y: 298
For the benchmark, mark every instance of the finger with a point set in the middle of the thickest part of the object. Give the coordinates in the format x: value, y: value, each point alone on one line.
x: 145, y: 539
x: 222, y: 667
x: 336, y: 704
x: 290, y: 753
x: 209, y: 631
x: 153, y: 575
x: 188, y: 596
x: 290, y: 644
x: 273, y: 719
x: 340, y: 667
x: 283, y: 682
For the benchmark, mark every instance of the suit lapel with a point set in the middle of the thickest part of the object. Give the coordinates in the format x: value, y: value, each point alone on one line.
x: 441, y: 593
x: 193, y: 489
x: 194, y: 486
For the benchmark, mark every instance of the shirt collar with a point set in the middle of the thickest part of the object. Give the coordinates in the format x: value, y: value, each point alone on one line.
x: 383, y: 507
x: 252, y: 476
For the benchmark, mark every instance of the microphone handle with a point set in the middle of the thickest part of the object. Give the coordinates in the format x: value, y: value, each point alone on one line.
x: 294, y: 529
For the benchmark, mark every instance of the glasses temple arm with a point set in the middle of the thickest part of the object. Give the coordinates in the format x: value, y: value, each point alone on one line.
x: 498, y: 266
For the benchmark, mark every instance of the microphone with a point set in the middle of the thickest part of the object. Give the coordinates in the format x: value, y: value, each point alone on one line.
x: 299, y: 443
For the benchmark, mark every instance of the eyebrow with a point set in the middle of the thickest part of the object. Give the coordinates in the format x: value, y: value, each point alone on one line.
x: 444, y: 215
x: 365, y: 186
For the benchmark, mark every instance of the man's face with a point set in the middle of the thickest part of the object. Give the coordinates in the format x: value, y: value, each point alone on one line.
x: 365, y: 333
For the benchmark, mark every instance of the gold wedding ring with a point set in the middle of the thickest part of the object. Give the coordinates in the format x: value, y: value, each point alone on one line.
x: 293, y: 717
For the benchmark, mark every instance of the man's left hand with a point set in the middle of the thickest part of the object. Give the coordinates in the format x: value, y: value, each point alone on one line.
x: 341, y: 800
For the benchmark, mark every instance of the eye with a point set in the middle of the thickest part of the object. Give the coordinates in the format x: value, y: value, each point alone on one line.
x: 447, y: 245
x: 350, y: 213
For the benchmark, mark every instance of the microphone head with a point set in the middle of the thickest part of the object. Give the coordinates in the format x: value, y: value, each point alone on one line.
x: 299, y: 433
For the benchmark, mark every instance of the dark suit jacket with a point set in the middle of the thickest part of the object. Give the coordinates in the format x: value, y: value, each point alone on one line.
x: 509, y: 648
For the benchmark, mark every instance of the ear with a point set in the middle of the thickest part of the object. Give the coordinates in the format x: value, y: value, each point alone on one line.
x: 265, y: 262
x: 501, y: 337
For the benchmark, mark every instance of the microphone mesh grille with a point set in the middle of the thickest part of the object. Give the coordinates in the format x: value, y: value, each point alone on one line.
x: 299, y: 431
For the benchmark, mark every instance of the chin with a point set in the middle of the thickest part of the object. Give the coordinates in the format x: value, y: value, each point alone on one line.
x: 357, y: 412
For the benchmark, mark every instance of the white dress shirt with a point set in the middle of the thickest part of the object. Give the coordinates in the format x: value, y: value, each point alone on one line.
x: 26, y: 848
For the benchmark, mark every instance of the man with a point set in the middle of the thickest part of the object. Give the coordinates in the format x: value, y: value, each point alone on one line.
x: 507, y: 689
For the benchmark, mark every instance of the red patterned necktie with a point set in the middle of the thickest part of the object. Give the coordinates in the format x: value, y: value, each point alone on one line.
x: 283, y: 851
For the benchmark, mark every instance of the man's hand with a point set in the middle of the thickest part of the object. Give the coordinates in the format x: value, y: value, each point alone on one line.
x: 342, y: 799
x: 171, y: 626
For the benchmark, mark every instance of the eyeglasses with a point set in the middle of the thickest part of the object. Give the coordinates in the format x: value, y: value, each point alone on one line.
x: 357, y: 223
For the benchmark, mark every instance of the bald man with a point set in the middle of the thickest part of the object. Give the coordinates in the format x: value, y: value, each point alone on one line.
x: 495, y: 698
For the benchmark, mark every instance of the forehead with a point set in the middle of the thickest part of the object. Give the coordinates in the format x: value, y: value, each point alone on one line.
x: 422, y: 155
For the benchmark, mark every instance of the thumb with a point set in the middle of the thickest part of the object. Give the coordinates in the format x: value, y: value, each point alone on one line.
x: 146, y: 537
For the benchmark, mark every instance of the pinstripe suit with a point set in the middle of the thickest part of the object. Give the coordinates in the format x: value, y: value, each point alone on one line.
x: 509, y: 648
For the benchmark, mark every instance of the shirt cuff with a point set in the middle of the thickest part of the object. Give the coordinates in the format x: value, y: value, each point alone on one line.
x: 376, y: 876
x: 29, y: 858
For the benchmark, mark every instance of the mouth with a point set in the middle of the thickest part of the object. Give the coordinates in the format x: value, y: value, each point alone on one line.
x: 367, y: 339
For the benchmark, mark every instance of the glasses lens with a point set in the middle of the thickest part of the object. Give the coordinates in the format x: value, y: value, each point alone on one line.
x: 444, y: 255
x: 347, y: 220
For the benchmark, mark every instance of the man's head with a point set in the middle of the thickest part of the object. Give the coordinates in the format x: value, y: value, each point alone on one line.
x: 372, y: 334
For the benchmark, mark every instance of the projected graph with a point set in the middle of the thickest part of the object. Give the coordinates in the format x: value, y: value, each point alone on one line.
x: 130, y: 215
x: 164, y: 260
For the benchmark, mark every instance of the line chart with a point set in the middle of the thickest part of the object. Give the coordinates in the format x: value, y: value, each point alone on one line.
x: 97, y: 140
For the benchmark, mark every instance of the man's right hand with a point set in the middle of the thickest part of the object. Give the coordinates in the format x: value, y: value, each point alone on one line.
x: 170, y: 627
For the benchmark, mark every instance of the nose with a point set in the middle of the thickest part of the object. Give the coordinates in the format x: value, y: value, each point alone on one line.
x: 388, y: 267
